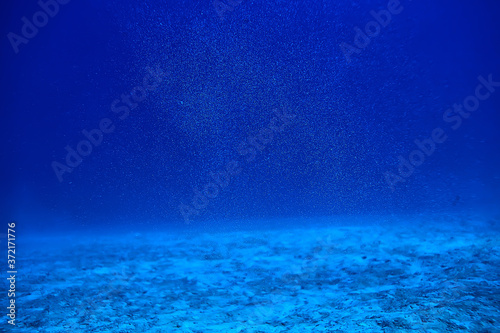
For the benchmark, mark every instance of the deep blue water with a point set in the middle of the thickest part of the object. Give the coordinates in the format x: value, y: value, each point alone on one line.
x: 340, y: 158
x: 359, y: 102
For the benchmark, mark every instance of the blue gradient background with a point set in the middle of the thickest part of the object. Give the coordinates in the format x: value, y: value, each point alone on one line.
x: 224, y: 78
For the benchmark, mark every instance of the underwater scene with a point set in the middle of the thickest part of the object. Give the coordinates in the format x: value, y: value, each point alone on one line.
x: 250, y: 166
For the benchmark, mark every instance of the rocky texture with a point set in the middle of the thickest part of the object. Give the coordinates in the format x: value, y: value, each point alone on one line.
x: 430, y: 275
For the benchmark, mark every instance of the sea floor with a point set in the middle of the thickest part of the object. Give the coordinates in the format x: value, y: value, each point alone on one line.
x: 430, y: 275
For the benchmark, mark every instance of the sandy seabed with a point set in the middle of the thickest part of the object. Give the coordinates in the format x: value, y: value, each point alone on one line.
x: 434, y: 275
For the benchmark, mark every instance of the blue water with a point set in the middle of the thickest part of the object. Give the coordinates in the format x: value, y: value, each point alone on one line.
x: 135, y: 119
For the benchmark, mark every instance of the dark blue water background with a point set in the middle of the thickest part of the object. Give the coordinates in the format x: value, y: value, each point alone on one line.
x: 224, y: 76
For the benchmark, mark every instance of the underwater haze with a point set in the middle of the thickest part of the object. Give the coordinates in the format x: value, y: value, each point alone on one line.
x: 244, y: 166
